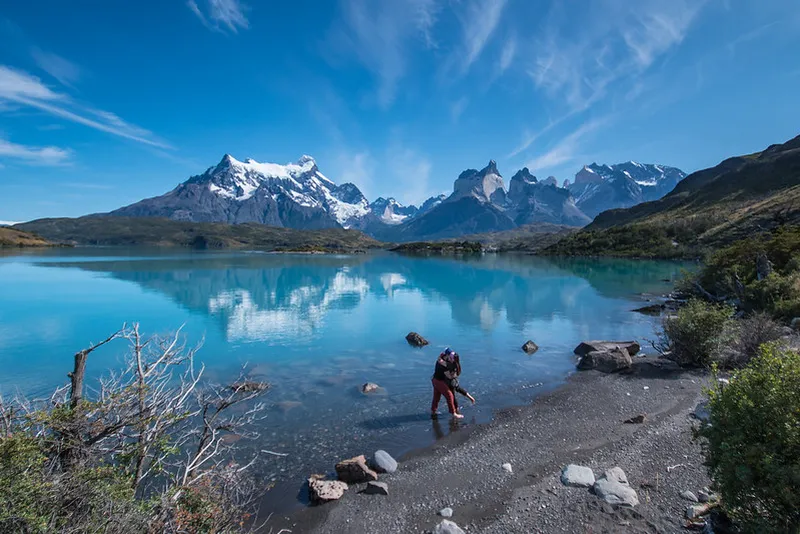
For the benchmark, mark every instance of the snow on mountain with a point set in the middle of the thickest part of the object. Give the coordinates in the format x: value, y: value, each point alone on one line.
x: 389, y: 211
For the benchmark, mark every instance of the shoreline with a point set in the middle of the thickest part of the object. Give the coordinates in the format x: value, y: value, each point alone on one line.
x: 580, y: 422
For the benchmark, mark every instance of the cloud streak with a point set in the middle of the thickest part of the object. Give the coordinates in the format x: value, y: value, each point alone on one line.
x: 566, y: 150
x: 56, y: 66
x: 478, y: 22
x: 221, y: 15
x: 45, y: 156
x: 381, y: 34
x: 21, y: 88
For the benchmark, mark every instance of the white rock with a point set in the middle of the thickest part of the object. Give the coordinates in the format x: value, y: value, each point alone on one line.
x: 384, y: 462
x: 646, y: 388
x: 446, y: 512
x: 448, y: 527
x: 613, y: 488
x: 577, y: 476
x: 507, y: 468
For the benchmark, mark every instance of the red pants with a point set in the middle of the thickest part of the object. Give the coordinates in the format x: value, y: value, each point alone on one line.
x: 441, y: 388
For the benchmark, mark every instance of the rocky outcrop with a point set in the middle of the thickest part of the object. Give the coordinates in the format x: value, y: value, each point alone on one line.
x: 355, y: 471
x: 610, y: 361
x: 632, y: 347
x: 416, y: 340
x: 577, y: 476
x: 322, y: 491
x: 530, y: 347
x: 613, y: 488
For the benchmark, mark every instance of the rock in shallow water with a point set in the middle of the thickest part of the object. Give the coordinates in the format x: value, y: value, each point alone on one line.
x: 376, y: 488
x: 613, y: 488
x: 322, y: 491
x: 355, y: 471
x: 416, y: 340
x: 530, y: 347
x: 384, y: 463
x: 577, y: 476
x: 369, y: 387
x: 448, y: 527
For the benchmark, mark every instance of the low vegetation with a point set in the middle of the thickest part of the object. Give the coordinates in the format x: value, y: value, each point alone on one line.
x: 13, y: 238
x: 439, y: 247
x: 752, y: 443
x: 143, y: 231
x: 148, y: 450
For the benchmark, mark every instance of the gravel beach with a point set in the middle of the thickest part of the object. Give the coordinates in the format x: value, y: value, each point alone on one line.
x: 580, y: 423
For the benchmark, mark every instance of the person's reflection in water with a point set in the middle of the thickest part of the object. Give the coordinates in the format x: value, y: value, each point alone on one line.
x: 438, y: 432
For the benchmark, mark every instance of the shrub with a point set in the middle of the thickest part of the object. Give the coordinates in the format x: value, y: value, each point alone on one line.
x: 753, y: 442
x: 695, y: 336
x: 747, y: 337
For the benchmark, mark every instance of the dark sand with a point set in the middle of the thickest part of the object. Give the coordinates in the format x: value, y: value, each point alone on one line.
x: 582, y: 423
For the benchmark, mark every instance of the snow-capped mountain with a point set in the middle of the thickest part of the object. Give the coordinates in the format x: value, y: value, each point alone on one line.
x: 295, y: 195
x: 601, y: 187
x: 389, y: 211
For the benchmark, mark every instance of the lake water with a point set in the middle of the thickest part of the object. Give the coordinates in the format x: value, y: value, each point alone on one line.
x: 317, y: 327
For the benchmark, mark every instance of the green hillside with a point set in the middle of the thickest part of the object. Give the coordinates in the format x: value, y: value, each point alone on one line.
x: 740, y: 197
x: 10, y: 237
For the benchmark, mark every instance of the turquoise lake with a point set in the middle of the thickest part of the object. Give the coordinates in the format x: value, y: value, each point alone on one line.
x: 317, y: 327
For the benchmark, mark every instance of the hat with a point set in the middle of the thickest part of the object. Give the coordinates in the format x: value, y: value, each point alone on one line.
x: 448, y: 350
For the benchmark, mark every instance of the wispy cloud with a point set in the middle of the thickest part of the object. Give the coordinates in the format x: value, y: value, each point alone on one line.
x: 577, y: 60
x: 412, y: 171
x: 46, y: 156
x: 21, y: 88
x: 751, y: 35
x: 567, y: 149
x: 507, y: 55
x: 380, y: 35
x: 221, y: 15
x: 89, y: 185
x: 458, y: 107
x: 358, y: 168
x: 56, y: 66
x: 479, y: 19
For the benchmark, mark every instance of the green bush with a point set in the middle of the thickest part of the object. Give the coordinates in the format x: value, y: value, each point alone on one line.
x: 753, y: 442
x: 695, y: 336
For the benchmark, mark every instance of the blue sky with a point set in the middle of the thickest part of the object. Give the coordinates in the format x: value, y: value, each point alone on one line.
x: 104, y: 103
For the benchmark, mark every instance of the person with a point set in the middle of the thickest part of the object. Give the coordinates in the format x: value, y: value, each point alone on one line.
x: 444, y: 371
x: 453, y: 382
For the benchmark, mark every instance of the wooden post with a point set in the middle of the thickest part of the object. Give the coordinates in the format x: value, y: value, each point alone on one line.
x: 76, y: 378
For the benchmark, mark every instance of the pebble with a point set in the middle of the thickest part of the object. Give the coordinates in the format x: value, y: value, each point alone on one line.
x: 507, y: 468
x: 446, y: 512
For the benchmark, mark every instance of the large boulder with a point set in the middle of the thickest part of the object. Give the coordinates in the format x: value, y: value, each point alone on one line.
x: 355, y: 471
x: 416, y: 340
x: 322, y: 491
x: 613, y: 488
x: 606, y: 361
x: 577, y: 476
x: 605, y: 346
x: 383, y: 462
x: 530, y: 347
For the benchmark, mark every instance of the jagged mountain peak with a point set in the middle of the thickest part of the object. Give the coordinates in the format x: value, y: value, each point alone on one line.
x: 525, y: 175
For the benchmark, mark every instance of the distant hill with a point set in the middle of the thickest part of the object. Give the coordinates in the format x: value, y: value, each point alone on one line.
x: 11, y: 237
x: 146, y: 231
x: 741, y: 196
x: 526, y: 238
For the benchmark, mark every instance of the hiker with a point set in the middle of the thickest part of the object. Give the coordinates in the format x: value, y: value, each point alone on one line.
x: 446, y: 370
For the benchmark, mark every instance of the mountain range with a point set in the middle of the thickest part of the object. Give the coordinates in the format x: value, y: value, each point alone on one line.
x: 298, y: 195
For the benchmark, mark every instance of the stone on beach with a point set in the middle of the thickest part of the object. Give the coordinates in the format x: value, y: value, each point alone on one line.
x: 577, y: 476
x: 613, y: 488
x: 369, y: 387
x: 383, y: 462
x: 376, y: 488
x: 530, y: 347
x: 322, y: 491
x: 448, y: 527
x: 689, y: 496
x: 605, y: 346
x: 606, y: 362
x: 507, y: 468
x: 355, y: 471
x: 446, y: 512
x: 636, y: 419
x: 416, y: 340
